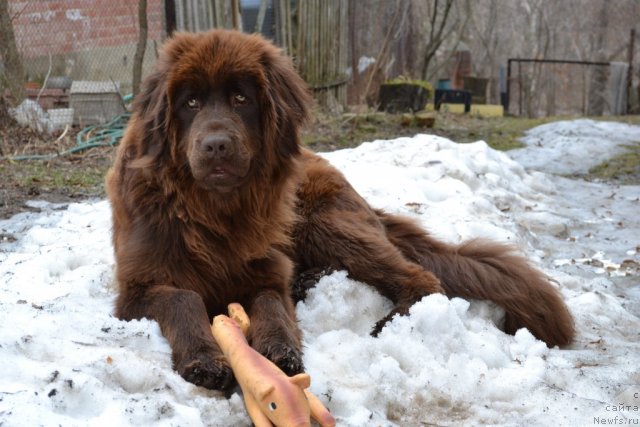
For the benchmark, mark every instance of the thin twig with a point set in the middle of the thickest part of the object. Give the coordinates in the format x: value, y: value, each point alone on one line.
x: 46, y: 79
x: 66, y: 130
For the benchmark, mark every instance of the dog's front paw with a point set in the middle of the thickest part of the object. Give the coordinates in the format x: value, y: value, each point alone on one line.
x: 209, y: 372
x: 287, y: 358
x: 398, y: 310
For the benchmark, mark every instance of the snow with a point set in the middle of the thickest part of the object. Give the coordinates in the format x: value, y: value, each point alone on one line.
x: 573, y: 147
x: 68, y: 361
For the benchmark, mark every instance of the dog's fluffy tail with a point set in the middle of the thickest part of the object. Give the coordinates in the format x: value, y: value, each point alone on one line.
x: 480, y: 269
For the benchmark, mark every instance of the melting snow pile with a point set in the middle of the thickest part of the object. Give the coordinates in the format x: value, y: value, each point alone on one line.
x: 68, y: 361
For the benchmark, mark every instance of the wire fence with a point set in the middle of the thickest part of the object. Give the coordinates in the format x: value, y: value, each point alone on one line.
x: 82, y: 40
x: 77, y: 55
x: 539, y: 88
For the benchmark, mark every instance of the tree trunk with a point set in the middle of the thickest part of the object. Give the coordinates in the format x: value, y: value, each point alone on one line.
x: 138, y: 58
x: 14, y: 76
x: 597, y: 95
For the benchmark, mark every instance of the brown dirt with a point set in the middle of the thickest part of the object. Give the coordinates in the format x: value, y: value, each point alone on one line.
x: 60, y: 179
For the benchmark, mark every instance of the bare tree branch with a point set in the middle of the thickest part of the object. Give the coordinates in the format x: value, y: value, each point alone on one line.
x: 436, y: 37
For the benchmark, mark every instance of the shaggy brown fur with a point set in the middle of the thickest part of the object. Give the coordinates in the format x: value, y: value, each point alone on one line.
x: 214, y: 201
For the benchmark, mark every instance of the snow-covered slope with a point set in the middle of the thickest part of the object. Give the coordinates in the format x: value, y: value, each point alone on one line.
x: 67, y: 361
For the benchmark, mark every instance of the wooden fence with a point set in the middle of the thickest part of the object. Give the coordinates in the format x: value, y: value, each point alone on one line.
x: 322, y: 50
x: 314, y: 32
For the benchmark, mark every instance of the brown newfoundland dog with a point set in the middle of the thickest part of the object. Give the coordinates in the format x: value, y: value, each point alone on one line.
x: 215, y: 201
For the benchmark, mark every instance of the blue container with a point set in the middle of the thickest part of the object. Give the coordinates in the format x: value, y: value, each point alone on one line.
x: 444, y: 84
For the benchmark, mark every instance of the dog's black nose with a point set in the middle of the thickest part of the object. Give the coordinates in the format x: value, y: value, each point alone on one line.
x: 216, y: 146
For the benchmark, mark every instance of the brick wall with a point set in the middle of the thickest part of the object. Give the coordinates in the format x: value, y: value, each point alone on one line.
x: 44, y: 27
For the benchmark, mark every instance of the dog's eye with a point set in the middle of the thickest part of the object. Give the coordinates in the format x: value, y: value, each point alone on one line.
x: 239, y: 99
x: 193, y: 104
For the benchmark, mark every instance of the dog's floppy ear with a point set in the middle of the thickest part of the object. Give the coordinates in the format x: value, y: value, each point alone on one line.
x: 152, y: 105
x: 289, y: 100
x: 151, y: 108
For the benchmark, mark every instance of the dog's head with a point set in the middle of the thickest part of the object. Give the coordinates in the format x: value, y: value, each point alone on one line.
x: 225, y: 105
